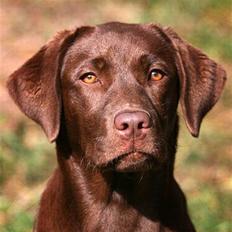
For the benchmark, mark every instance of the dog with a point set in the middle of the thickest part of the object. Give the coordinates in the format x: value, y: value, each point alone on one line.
x: 107, y: 96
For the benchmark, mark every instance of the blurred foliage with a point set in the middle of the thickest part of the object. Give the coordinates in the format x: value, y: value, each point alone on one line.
x: 203, y: 166
x: 25, y: 164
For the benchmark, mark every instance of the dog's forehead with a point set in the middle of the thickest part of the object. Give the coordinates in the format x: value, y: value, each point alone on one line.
x: 124, y: 37
x: 122, y: 41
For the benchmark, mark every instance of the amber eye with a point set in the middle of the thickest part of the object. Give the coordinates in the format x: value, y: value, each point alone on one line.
x: 89, y: 78
x: 156, y: 75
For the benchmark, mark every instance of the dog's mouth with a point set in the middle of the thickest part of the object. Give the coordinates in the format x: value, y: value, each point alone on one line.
x: 133, y: 162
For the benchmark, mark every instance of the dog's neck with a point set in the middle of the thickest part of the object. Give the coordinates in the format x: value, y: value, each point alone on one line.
x: 98, y: 193
x: 105, y: 186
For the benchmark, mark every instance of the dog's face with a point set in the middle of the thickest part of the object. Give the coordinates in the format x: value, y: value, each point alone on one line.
x: 120, y: 85
x: 114, y: 81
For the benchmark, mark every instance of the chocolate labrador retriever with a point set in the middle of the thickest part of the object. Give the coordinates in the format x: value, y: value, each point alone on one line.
x: 108, y: 95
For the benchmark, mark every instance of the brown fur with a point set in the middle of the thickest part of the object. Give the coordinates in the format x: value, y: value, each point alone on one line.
x: 92, y: 189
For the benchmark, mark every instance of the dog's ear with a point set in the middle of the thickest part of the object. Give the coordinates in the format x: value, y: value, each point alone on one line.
x: 35, y: 89
x: 201, y: 81
x: 35, y: 86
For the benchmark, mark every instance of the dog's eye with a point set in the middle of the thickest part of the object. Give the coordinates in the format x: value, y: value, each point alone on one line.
x: 89, y: 78
x: 156, y: 75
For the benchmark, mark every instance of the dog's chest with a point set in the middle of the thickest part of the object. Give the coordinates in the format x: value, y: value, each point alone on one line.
x: 123, y: 218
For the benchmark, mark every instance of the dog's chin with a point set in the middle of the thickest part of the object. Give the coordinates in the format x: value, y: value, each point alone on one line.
x: 134, y: 162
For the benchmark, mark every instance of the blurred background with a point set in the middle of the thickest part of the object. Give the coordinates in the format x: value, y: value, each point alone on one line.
x: 203, y: 166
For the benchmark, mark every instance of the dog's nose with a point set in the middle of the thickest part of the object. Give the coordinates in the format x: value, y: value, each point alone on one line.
x: 132, y: 124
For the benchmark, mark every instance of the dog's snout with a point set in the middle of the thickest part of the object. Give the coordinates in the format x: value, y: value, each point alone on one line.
x: 132, y: 124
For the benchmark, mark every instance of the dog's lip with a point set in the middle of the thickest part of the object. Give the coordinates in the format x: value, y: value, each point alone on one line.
x: 131, y: 156
x: 131, y: 161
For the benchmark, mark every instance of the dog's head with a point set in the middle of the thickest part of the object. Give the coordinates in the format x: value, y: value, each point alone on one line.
x: 118, y: 87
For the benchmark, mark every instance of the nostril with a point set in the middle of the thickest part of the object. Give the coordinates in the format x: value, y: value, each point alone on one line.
x: 122, y: 122
x: 146, y: 123
x: 124, y: 126
x: 141, y: 125
x: 142, y: 121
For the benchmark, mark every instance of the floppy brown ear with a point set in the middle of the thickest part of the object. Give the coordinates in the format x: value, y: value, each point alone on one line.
x: 201, y: 81
x: 34, y: 87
